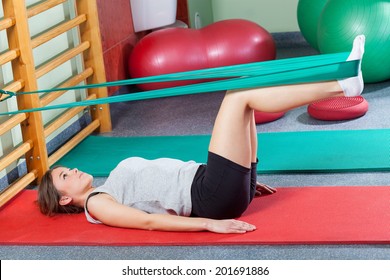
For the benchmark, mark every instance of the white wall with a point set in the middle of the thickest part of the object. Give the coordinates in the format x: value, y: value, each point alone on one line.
x: 273, y: 15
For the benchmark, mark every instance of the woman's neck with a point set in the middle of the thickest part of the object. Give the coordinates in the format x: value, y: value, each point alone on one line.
x: 80, y: 201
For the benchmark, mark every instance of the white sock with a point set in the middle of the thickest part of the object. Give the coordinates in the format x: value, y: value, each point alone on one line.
x: 354, y: 86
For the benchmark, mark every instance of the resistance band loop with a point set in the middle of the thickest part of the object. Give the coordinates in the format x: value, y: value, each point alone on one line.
x: 260, y: 74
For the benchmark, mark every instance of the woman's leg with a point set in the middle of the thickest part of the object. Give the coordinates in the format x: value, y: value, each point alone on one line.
x: 233, y: 136
x: 226, y: 187
x: 228, y: 183
x: 253, y: 141
x: 253, y: 138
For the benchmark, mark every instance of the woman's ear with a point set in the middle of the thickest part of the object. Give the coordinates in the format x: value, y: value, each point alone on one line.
x: 65, y: 200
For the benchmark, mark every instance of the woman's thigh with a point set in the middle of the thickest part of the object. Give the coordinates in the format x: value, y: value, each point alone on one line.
x: 231, y: 136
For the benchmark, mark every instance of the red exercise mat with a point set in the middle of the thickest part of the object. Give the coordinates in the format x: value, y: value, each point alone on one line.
x: 306, y: 215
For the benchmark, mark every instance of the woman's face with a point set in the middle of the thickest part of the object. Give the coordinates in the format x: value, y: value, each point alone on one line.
x: 71, y: 182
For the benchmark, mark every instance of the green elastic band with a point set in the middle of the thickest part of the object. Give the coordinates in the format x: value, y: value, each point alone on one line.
x: 269, y: 73
x: 248, y: 69
x: 9, y: 93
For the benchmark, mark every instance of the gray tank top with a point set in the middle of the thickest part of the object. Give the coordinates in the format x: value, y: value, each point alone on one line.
x: 154, y: 186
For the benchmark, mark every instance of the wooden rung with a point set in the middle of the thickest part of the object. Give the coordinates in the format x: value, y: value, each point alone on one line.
x: 77, y: 79
x: 64, y: 118
x: 54, y: 63
x: 6, y: 23
x: 74, y: 141
x: 44, y: 6
x: 17, y: 187
x: 16, y: 154
x: 54, y: 32
x: 12, y: 122
x: 13, y: 87
x: 74, y: 81
x: 9, y: 56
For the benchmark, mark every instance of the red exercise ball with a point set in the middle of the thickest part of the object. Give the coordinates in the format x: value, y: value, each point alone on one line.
x: 171, y: 50
x: 263, y: 117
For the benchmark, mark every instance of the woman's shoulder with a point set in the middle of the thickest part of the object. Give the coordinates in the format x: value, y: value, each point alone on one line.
x: 98, y: 201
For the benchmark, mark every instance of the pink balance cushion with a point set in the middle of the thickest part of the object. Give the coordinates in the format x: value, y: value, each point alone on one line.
x: 338, y: 108
x: 261, y: 117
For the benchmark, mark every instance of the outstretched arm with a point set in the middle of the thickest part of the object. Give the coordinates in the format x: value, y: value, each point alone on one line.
x: 111, y: 213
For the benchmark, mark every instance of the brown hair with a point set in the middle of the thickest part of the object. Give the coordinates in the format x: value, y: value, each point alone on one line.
x: 49, y: 197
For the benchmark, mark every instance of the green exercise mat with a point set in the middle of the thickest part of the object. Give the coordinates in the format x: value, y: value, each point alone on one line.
x: 279, y: 152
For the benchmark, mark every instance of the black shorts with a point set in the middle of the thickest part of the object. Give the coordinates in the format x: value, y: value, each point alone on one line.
x: 222, y: 189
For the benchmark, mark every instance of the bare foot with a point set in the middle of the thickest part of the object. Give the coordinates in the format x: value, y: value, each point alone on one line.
x: 263, y: 189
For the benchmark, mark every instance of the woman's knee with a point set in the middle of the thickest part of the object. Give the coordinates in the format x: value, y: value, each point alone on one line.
x: 238, y: 98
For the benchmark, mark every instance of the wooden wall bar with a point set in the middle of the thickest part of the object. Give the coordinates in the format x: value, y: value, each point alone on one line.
x: 23, y: 69
x: 20, y: 55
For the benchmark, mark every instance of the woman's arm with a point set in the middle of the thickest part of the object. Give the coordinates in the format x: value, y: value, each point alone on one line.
x: 111, y: 213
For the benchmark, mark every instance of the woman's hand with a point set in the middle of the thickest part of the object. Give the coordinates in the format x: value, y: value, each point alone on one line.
x: 229, y: 226
x: 263, y: 189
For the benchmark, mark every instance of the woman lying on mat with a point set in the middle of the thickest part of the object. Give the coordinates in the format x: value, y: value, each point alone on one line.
x: 171, y: 195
